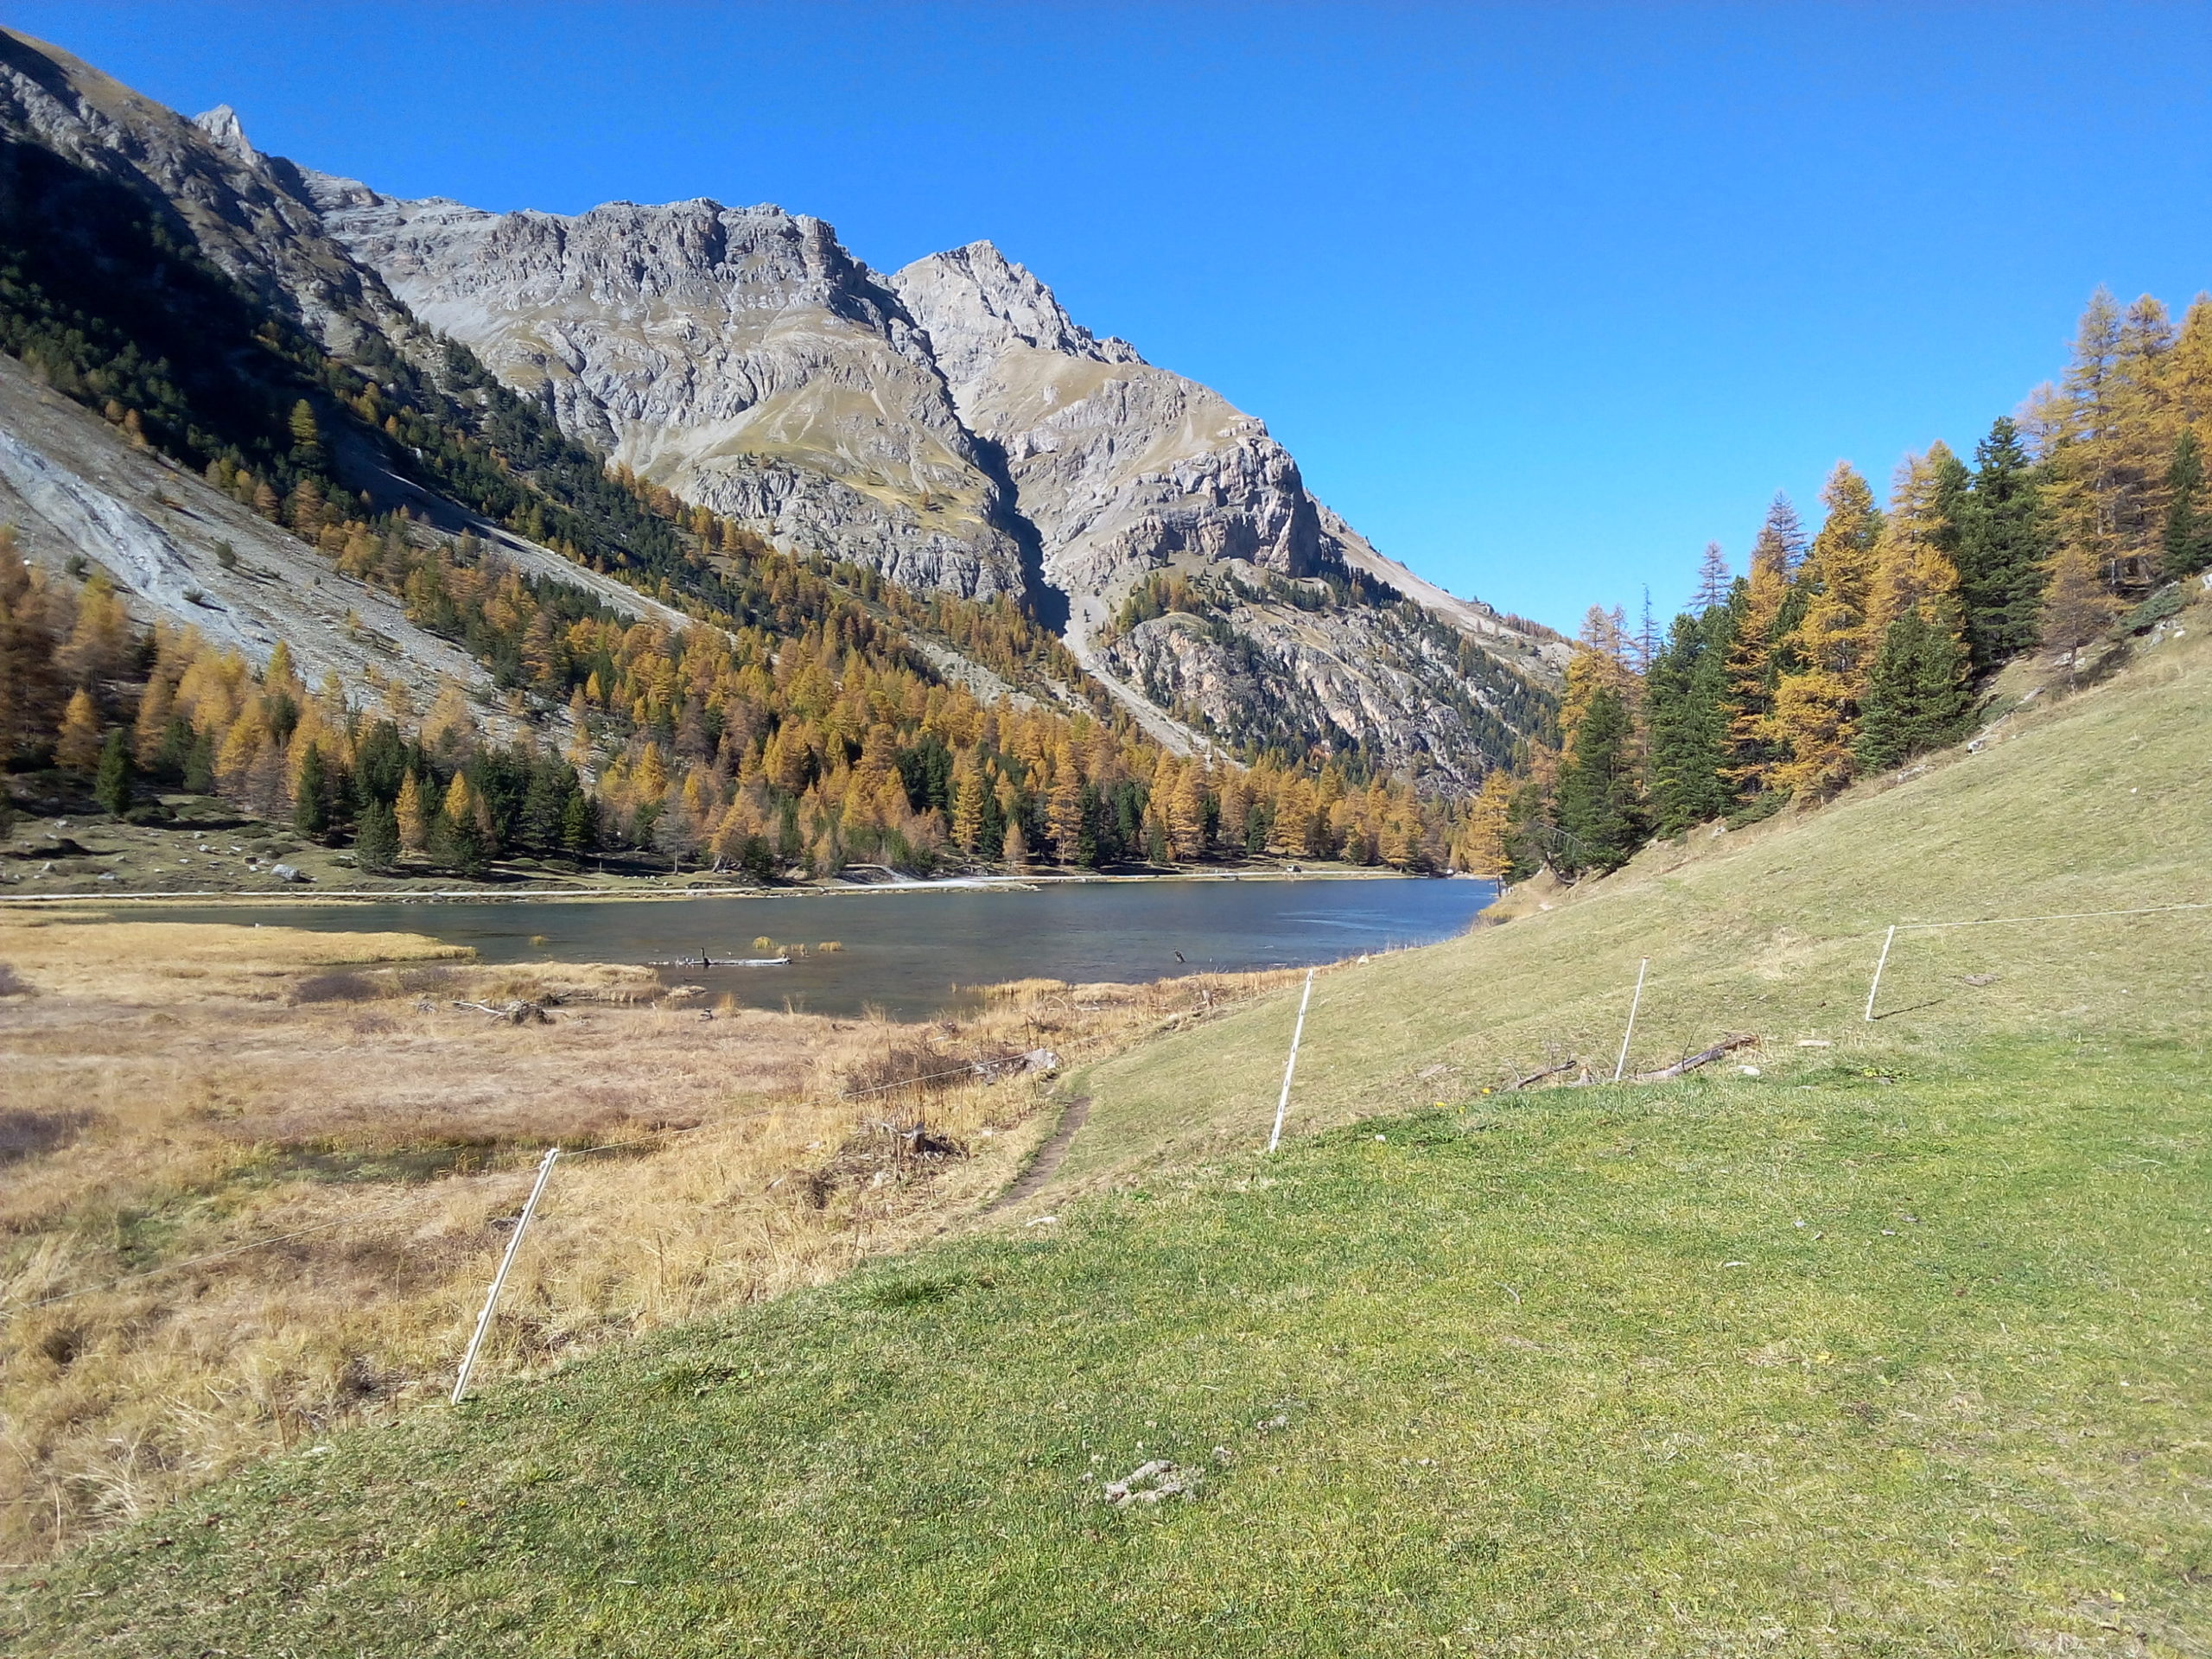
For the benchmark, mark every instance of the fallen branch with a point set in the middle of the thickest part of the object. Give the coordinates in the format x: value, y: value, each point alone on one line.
x: 1548, y: 1072
x: 1704, y: 1056
x: 515, y: 1013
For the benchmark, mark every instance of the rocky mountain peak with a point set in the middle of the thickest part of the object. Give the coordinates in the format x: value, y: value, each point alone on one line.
x: 223, y: 130
x: 740, y: 356
x: 977, y: 305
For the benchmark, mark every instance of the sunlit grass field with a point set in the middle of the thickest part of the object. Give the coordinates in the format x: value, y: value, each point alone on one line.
x: 1903, y: 1363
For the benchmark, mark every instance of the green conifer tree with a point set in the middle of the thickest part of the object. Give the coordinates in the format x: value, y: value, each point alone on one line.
x: 311, y: 810
x: 1950, y: 501
x: 2004, y: 541
x: 579, y: 825
x: 111, y: 786
x: 377, y: 848
x: 199, y: 766
x: 1600, y: 816
x: 2186, y: 546
x: 457, y: 844
x: 1918, y: 697
x: 1686, y: 696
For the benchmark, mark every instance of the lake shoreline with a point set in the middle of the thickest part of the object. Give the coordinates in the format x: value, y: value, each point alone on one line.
x: 219, y: 898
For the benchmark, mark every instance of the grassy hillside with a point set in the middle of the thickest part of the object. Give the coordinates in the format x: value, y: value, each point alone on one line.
x: 2099, y: 801
x: 1895, y: 1348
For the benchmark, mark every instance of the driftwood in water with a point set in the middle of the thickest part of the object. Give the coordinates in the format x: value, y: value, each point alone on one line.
x: 1704, y: 1056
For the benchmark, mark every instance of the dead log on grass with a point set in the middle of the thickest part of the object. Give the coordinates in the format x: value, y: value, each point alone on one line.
x: 515, y: 1013
x: 1704, y: 1056
x: 1548, y: 1072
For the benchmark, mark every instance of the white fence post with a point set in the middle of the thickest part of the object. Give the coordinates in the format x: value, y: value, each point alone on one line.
x: 1297, y: 1031
x: 1621, y: 1065
x: 499, y: 1279
x: 1880, y: 963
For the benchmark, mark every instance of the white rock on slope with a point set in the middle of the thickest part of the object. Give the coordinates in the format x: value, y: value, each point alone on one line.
x: 74, y: 488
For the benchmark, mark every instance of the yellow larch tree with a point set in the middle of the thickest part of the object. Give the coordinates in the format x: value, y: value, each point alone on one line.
x: 1751, y: 654
x: 1816, y: 703
x: 78, y: 745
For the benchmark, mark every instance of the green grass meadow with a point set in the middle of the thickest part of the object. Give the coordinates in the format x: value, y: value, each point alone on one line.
x: 1898, y: 1347
x: 1909, y: 1363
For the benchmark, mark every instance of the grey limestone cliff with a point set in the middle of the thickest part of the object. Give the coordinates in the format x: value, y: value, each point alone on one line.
x: 737, y: 356
x: 247, y: 211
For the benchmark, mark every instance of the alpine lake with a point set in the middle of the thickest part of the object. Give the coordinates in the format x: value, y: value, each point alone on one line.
x: 916, y: 951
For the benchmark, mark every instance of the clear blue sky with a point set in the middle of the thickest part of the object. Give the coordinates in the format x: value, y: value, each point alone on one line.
x: 1542, y: 298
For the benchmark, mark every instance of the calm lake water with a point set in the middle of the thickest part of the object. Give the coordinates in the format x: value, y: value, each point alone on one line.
x: 909, y: 951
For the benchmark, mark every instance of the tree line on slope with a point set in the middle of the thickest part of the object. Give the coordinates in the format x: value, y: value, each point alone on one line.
x: 1856, y: 651
x: 775, y: 753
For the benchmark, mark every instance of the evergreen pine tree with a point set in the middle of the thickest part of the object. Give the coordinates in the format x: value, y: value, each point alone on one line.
x: 579, y: 825
x: 456, y: 844
x: 311, y: 801
x: 1687, y: 697
x: 1917, y: 697
x: 1600, y: 815
x: 377, y: 848
x: 538, y: 827
x: 1947, y: 500
x: 2186, y: 546
x: 112, y: 788
x: 2003, y: 545
x: 198, y: 772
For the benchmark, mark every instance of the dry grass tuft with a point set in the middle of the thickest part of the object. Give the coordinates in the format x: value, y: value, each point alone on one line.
x: 181, y: 1090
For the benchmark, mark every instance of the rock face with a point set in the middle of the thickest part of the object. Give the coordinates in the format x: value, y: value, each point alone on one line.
x: 1122, y: 466
x: 1127, y: 470
x: 247, y: 211
x: 737, y: 356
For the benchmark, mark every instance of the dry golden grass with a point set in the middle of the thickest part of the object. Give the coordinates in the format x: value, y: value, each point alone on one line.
x: 173, y: 1092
